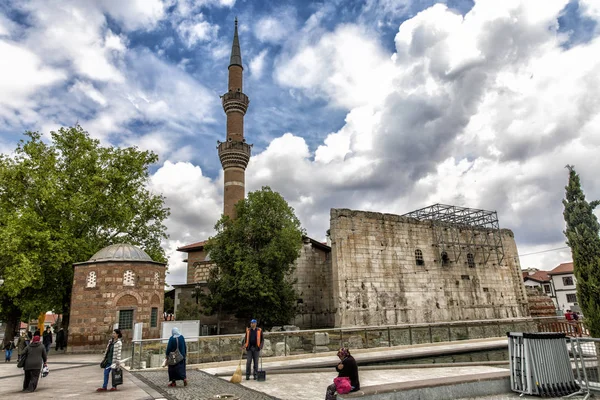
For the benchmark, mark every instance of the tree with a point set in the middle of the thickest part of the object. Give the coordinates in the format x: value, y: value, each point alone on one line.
x: 188, y: 311
x: 583, y: 238
x: 254, y: 257
x: 62, y: 201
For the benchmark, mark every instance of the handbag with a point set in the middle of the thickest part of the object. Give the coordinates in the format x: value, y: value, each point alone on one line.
x: 117, y: 376
x: 342, y: 384
x: 22, y: 360
x: 175, y: 356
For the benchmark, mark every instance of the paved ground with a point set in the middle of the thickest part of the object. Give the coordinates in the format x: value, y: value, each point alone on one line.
x: 78, y: 376
x: 201, y: 386
x: 70, y: 377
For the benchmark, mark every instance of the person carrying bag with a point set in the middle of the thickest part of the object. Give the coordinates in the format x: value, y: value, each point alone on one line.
x: 112, y: 362
x: 176, y: 352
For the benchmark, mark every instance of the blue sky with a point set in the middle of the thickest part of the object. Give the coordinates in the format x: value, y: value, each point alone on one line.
x: 382, y: 105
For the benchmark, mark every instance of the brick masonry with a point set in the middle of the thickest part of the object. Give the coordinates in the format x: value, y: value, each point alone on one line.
x: 94, y: 310
x: 376, y: 280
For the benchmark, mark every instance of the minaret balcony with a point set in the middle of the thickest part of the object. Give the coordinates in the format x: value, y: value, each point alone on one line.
x: 234, y: 154
x: 235, y: 101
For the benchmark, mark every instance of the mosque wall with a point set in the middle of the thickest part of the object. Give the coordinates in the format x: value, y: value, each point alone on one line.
x: 378, y: 280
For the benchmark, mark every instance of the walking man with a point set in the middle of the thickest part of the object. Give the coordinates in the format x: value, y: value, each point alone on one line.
x: 253, y: 343
x: 47, y: 339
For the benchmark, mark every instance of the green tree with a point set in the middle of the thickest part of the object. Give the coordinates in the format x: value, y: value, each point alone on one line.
x: 169, y: 306
x: 583, y: 238
x: 61, y: 201
x: 254, y: 258
x: 188, y: 311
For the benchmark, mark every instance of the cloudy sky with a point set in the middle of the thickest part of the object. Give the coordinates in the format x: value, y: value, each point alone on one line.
x: 382, y: 105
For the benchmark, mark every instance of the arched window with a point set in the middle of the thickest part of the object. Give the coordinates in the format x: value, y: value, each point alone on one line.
x: 419, y: 257
x: 470, y: 260
x: 91, y: 279
x: 128, y: 278
x: 156, y: 278
x: 445, y: 259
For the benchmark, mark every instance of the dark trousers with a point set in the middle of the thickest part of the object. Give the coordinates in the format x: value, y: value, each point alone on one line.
x: 252, y: 354
x: 31, y: 379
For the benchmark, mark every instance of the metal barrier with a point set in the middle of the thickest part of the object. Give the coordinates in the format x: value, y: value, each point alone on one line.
x: 585, y: 359
x: 540, y: 364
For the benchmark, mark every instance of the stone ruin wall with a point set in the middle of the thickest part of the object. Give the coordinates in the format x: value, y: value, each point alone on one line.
x: 376, y: 280
x: 314, y: 288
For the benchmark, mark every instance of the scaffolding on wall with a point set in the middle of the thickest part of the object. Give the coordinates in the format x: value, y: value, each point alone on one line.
x: 460, y: 229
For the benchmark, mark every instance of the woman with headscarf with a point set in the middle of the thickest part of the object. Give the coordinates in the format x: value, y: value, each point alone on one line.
x: 346, y: 368
x: 36, y: 358
x: 176, y: 371
x: 112, y: 359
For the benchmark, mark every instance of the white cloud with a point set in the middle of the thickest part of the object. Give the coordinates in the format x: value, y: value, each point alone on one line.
x: 23, y: 75
x: 6, y: 26
x: 134, y: 14
x: 197, y: 30
x: 195, y: 204
x: 257, y: 64
x: 481, y: 111
x: 347, y: 67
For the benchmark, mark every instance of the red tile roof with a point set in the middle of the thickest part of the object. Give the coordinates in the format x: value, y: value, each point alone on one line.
x: 564, y: 268
x: 538, y: 276
x: 193, y: 246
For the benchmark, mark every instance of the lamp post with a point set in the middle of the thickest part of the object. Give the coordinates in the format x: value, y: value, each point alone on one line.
x: 197, y: 290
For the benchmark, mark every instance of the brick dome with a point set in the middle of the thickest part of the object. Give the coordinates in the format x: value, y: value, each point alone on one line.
x: 121, y: 252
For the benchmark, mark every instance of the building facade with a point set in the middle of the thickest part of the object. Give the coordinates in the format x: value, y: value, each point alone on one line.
x: 565, y: 287
x: 118, y: 287
x: 391, y: 269
x: 541, y: 281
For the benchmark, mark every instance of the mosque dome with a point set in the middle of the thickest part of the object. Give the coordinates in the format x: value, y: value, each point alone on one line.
x: 121, y: 252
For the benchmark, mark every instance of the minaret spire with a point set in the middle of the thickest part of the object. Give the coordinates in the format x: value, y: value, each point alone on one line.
x: 234, y: 153
x: 236, y: 54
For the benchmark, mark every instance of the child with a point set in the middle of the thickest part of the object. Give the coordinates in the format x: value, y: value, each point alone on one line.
x: 8, y: 349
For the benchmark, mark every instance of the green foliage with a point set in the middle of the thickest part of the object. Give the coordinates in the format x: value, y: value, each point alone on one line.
x: 62, y: 201
x: 583, y: 237
x: 188, y: 311
x: 254, y: 256
x: 169, y: 306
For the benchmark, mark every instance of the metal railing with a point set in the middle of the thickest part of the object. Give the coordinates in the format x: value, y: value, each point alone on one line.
x: 288, y: 343
x: 585, y: 358
x: 570, y: 328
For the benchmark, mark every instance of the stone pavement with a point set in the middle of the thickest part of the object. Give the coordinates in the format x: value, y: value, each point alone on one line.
x: 77, y: 376
x: 200, y: 386
x: 71, y: 376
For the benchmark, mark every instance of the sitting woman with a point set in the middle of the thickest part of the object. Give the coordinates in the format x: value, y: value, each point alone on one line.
x: 346, y: 368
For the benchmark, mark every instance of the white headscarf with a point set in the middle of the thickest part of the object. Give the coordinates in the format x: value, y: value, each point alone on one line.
x: 175, y: 332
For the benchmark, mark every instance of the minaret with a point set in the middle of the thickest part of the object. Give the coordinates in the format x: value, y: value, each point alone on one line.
x: 234, y: 153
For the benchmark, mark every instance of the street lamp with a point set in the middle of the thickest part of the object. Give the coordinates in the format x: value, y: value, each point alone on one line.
x: 197, y: 290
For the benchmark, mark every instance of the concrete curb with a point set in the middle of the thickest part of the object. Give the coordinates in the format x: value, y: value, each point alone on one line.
x: 456, y: 387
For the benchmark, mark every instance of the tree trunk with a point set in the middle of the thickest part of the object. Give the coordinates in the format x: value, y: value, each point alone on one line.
x: 12, y: 326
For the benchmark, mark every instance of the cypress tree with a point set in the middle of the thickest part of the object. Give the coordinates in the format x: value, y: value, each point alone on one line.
x: 583, y: 237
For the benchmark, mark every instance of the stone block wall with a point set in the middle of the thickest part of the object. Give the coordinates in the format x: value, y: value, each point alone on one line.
x: 314, y: 287
x: 94, y: 310
x: 197, y: 268
x: 378, y: 281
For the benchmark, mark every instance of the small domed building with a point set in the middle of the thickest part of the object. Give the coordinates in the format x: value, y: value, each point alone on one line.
x: 120, y: 285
